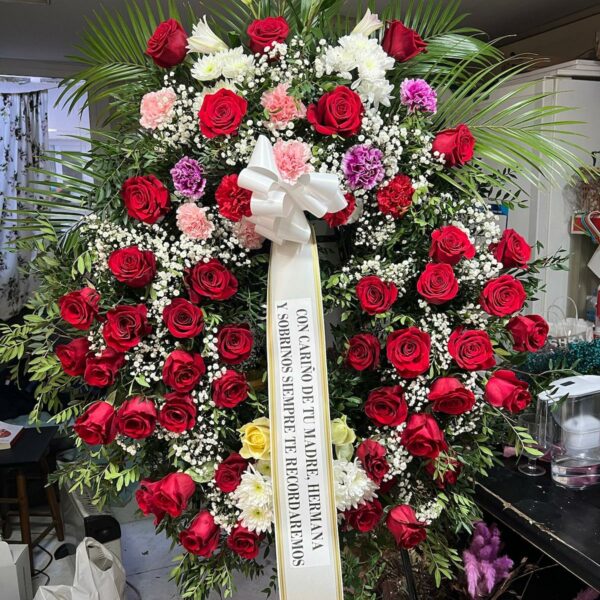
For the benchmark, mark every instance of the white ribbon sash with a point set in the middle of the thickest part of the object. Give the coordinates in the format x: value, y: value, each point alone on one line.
x: 306, y: 535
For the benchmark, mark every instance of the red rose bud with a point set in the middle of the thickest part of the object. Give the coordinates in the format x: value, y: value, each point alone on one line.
x: 341, y: 217
x: 408, y: 351
x: 262, y: 33
x: 228, y: 474
x: 97, y: 425
x: 170, y: 495
x: 450, y: 396
x: 178, y: 413
x: 182, y: 371
x: 437, y: 283
x: 512, y: 250
x: 132, y: 266
x: 529, y: 332
x: 457, y: 145
x: 183, y: 319
x: 125, y: 327
x: 144, y: 496
x: 232, y: 200
x: 386, y: 406
x: 210, y: 280
x: 376, y: 296
x: 505, y: 390
x: 363, y: 352
x: 221, y: 113
x: 80, y: 308
x: 136, y: 418
x: 168, y: 45
x: 395, y: 198
x: 230, y: 389
x: 450, y: 475
x: 365, y: 517
x: 244, y: 542
x: 234, y: 343
x: 73, y: 356
x: 423, y: 437
x: 404, y: 526
x: 449, y: 244
x: 101, y: 371
x: 145, y: 198
x: 372, y: 457
x: 471, y: 349
x: 503, y: 296
x: 338, y: 112
x: 202, y: 536
x: 401, y: 42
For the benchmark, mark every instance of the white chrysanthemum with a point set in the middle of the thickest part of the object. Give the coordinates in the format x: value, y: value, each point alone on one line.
x: 352, y: 485
x: 207, y: 68
x: 257, y: 518
x: 235, y: 63
x: 204, y: 40
x: 254, y: 490
x: 368, y: 24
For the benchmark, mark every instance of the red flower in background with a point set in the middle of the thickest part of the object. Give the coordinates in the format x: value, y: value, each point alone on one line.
x: 183, y: 319
x: 363, y: 352
x: 423, y: 437
x: 450, y: 476
x: 338, y: 112
x: 395, y: 198
x: 401, y: 42
x: 211, y: 280
x: 374, y: 295
x: 232, y: 200
x: 73, y: 356
x: 450, y: 396
x: 228, y: 474
x: 221, y: 113
x: 202, y: 536
x: 458, y: 145
x: 503, y: 296
x: 529, y: 332
x: 365, y: 517
x: 168, y: 45
x: 262, y: 33
x: 136, y: 418
x: 386, y: 406
x: 125, y: 327
x: 178, y: 413
x: 341, y: 217
x: 505, y: 390
x: 101, y: 371
x: 80, y: 308
x: 132, y: 266
x: 372, y: 457
x: 437, y: 283
x: 244, y: 542
x: 182, y: 371
x: 97, y: 424
x: 234, y: 343
x: 169, y: 495
x: 230, y: 389
x: 471, y: 349
x: 449, y: 244
x: 408, y: 351
x: 403, y: 524
x: 145, y: 198
x: 512, y: 250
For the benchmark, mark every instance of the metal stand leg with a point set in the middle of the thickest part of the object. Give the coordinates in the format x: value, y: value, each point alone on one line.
x: 410, y: 577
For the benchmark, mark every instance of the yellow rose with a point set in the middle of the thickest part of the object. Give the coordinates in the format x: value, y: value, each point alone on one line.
x: 256, y: 440
x: 341, y: 434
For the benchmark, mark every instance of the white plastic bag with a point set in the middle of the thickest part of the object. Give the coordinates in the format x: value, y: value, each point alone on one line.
x: 99, y: 575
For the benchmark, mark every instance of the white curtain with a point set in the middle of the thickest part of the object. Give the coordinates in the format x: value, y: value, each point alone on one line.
x: 23, y: 139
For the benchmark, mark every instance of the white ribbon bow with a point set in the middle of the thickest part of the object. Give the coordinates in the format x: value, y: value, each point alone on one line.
x: 278, y: 207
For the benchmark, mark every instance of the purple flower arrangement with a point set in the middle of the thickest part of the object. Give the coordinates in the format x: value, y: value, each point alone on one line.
x: 363, y: 167
x: 417, y: 94
x: 188, y: 178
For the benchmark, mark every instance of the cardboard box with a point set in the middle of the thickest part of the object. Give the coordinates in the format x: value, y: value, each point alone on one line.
x: 15, y: 575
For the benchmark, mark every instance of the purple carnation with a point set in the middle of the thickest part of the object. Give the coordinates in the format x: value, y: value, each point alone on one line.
x: 188, y: 178
x: 363, y: 167
x: 417, y: 94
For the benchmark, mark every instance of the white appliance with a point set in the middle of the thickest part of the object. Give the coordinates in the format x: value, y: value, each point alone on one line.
x: 15, y: 574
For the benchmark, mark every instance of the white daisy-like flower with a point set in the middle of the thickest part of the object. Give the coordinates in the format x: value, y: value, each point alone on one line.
x: 352, y: 485
x: 254, y: 490
x: 257, y: 518
x: 235, y: 63
x: 208, y: 68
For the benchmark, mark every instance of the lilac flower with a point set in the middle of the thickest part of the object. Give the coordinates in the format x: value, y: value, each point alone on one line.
x: 483, y: 567
x: 188, y: 178
x: 363, y: 167
x: 417, y: 94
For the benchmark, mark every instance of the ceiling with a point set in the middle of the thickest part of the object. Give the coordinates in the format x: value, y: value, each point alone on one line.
x: 42, y: 32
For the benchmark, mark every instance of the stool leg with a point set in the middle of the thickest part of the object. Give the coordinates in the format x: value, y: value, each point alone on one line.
x: 24, y: 514
x: 52, y: 502
x: 4, y: 508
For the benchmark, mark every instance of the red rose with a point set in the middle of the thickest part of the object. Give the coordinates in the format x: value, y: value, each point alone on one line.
x: 372, y: 457
x: 471, y: 349
x: 395, y: 198
x: 145, y: 198
x: 230, y: 389
x: 401, y: 42
x: 133, y: 266
x: 210, y: 280
x: 244, y: 542
x: 182, y: 371
x: 73, y: 356
x: 449, y: 244
x: 178, y: 413
x: 202, y: 536
x: 125, y: 326
x: 169, y: 495
x: 503, y: 296
x: 168, y: 45
x: 505, y: 390
x: 512, y: 250
x: 101, y: 371
x: 404, y: 526
x: 363, y: 352
x: 437, y: 283
x: 457, y: 145
x: 80, y: 308
x: 408, y: 350
x: 529, y: 332
x: 136, y: 418
x: 234, y: 343
x: 450, y: 475
x: 386, y: 406
x: 450, y: 396
x: 365, y: 517
x: 341, y: 217
x: 232, y: 200
x: 423, y: 437
x: 183, y: 319
x: 262, y: 33
x: 96, y: 425
x: 337, y: 112
x: 229, y: 473
x: 221, y: 113
x: 376, y: 296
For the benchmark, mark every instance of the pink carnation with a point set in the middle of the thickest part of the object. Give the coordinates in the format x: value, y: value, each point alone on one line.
x: 292, y: 159
x: 156, y: 108
x: 192, y: 220
x: 282, y: 108
x: 246, y: 232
